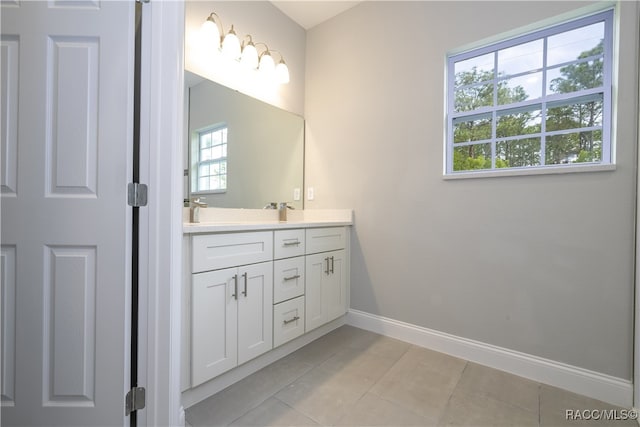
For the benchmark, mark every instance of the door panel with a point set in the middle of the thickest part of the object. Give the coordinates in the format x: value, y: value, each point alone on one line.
x: 70, y: 325
x: 8, y: 307
x: 9, y: 55
x: 66, y: 141
x: 72, y: 116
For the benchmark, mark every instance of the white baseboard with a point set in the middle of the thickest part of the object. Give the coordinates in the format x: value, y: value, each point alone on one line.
x: 615, y: 391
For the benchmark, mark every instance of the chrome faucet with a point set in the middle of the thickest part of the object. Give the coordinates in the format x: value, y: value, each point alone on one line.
x: 271, y: 205
x: 194, y: 209
x: 282, y: 211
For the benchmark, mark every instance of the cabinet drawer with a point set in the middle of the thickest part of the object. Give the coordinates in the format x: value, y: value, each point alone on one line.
x: 325, y: 239
x: 288, y: 320
x: 288, y: 243
x: 214, y: 251
x: 288, y: 279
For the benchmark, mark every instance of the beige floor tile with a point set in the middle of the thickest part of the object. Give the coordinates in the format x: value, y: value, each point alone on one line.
x: 555, y: 402
x: 273, y: 412
x: 315, y: 352
x: 480, y: 410
x: 372, y: 410
x: 385, y: 346
x: 234, y: 401
x: 324, y: 396
x: 349, y: 336
x: 421, y: 381
x: 366, y: 364
x: 499, y: 385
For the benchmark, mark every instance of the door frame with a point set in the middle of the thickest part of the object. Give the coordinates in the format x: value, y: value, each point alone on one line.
x: 161, y: 125
x: 636, y: 325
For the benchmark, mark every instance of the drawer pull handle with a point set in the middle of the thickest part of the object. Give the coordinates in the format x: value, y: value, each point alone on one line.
x: 235, y: 286
x: 286, y: 322
x: 245, y: 284
x: 331, y: 265
x: 327, y: 271
x: 286, y: 279
x: 296, y: 243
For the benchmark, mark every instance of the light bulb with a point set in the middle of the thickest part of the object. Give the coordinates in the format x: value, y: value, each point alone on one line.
x: 267, y: 66
x: 282, y: 72
x: 210, y: 35
x: 249, y: 56
x: 231, y: 45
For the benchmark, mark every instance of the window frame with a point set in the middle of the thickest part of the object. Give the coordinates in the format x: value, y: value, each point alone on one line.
x: 197, y: 162
x: 496, y: 110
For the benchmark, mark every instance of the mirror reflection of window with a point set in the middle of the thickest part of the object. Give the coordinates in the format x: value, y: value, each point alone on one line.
x: 210, y: 159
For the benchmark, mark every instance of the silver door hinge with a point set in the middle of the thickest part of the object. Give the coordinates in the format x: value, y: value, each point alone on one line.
x: 137, y: 194
x: 134, y: 400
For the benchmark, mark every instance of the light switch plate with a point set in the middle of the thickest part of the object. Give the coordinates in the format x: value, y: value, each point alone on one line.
x: 296, y: 194
x: 310, y: 193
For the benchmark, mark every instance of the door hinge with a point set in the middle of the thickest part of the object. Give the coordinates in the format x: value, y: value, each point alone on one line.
x: 137, y: 194
x: 134, y: 400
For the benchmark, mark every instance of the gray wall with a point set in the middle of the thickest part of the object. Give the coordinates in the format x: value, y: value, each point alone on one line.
x: 539, y: 264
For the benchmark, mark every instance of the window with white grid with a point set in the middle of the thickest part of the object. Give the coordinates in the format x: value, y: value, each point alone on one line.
x: 211, y: 160
x: 540, y: 100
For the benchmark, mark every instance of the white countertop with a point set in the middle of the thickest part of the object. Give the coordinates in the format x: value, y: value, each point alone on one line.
x: 216, y: 220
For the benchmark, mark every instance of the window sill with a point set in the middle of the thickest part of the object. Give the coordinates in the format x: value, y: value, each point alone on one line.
x: 547, y: 170
x: 208, y: 192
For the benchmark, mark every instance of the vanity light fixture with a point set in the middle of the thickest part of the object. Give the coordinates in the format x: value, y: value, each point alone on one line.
x: 245, y: 52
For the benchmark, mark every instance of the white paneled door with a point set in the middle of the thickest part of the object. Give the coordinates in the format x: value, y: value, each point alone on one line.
x: 66, y: 133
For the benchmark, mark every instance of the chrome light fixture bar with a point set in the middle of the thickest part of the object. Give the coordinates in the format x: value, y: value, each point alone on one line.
x: 212, y: 34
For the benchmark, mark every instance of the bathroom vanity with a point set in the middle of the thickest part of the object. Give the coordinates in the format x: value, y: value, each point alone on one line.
x: 256, y: 289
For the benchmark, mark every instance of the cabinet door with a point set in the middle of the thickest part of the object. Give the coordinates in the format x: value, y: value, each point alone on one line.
x: 316, y: 270
x: 336, y: 285
x: 255, y: 310
x: 214, y: 343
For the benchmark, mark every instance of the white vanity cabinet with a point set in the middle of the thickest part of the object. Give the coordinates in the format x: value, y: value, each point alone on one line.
x: 251, y: 290
x: 231, y: 308
x: 326, y: 276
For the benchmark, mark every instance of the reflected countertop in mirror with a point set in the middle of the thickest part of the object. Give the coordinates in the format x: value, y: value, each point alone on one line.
x: 262, y: 154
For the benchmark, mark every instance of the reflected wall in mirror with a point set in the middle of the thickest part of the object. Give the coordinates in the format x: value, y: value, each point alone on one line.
x: 243, y: 153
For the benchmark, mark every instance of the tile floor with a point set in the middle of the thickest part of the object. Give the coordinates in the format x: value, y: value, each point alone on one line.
x: 352, y: 377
